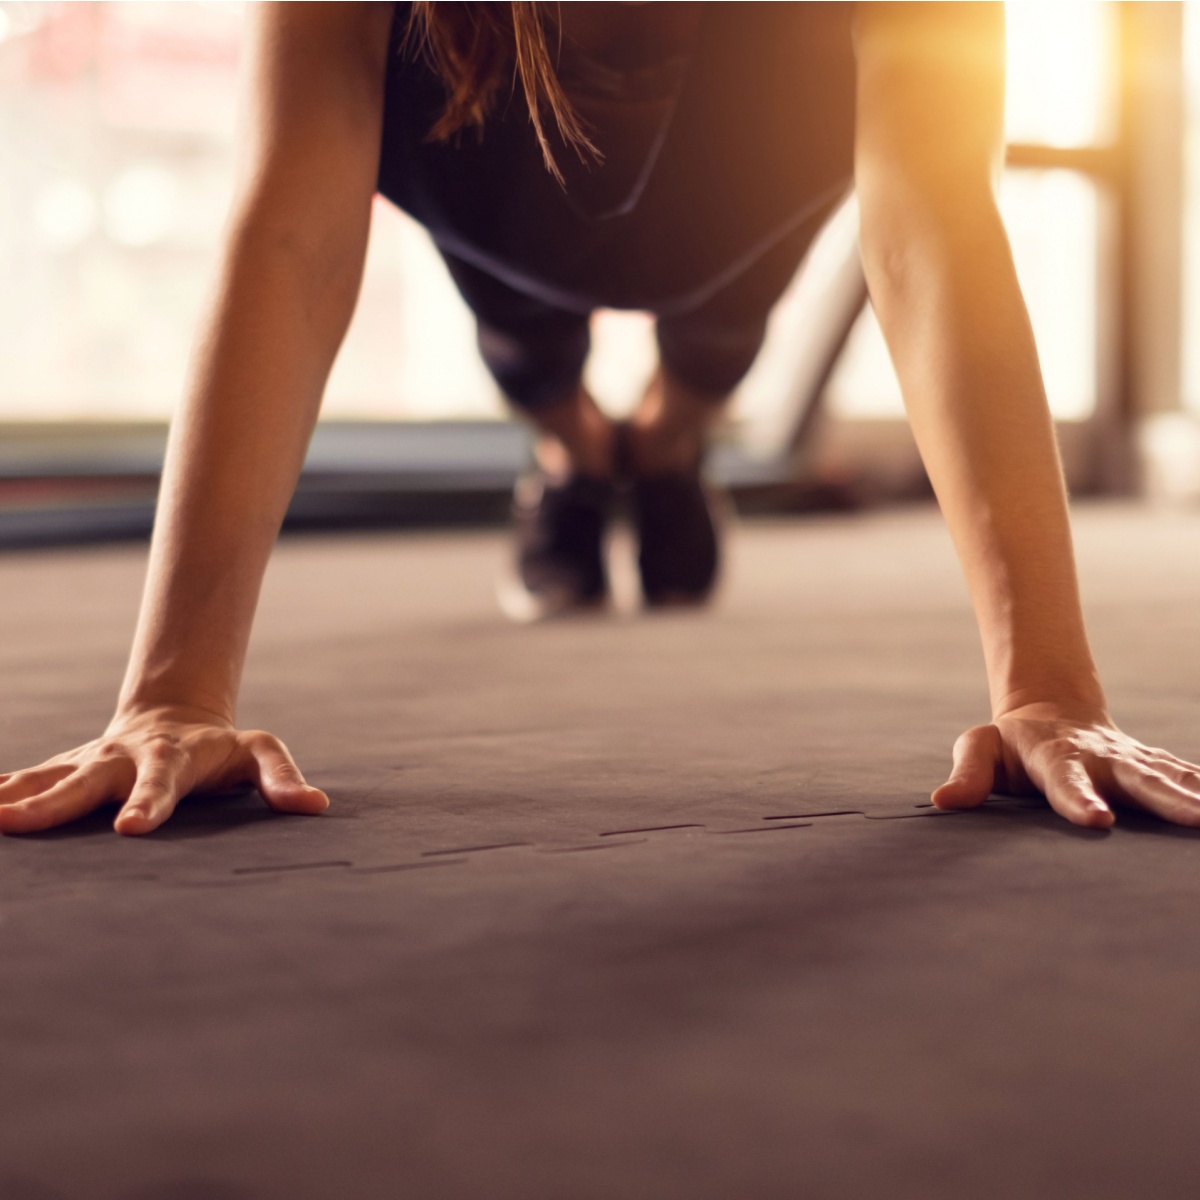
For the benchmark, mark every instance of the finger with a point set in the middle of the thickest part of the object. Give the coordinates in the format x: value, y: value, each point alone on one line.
x: 85, y: 790
x: 153, y: 797
x: 278, y: 778
x: 973, y: 775
x: 1185, y: 774
x: 20, y: 785
x: 1071, y: 793
x: 1176, y: 761
x: 1148, y: 789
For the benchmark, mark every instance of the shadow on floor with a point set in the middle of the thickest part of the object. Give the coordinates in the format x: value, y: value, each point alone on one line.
x: 1036, y: 813
x: 196, y: 817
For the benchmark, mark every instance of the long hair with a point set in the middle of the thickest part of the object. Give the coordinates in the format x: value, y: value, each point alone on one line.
x: 478, y: 49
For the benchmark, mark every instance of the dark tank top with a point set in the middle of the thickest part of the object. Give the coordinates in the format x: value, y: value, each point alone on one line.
x: 722, y: 128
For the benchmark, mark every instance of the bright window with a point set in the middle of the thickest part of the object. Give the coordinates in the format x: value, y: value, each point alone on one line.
x: 1191, y: 212
x: 1058, y: 56
x: 116, y: 122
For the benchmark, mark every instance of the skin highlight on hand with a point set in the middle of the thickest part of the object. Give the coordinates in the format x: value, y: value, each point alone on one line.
x: 1083, y: 768
x: 147, y: 764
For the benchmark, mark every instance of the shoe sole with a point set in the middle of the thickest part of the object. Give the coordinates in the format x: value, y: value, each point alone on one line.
x: 523, y: 607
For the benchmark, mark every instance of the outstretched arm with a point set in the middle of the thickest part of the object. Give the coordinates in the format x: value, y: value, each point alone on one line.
x: 287, y: 286
x: 941, y: 277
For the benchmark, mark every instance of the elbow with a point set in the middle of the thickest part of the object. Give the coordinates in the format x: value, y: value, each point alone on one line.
x: 910, y: 227
x: 324, y: 258
x: 324, y: 242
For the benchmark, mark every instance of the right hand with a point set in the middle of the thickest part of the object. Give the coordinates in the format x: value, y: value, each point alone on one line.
x: 147, y: 762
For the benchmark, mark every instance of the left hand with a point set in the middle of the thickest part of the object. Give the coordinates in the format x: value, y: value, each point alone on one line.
x: 1080, y: 761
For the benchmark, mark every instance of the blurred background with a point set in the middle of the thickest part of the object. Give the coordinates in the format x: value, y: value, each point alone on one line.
x: 117, y: 127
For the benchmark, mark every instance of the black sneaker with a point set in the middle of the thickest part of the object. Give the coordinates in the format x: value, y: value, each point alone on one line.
x: 560, y: 531
x: 675, y: 516
x: 678, y: 548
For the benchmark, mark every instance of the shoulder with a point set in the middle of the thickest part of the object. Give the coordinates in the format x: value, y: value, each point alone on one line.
x: 321, y: 41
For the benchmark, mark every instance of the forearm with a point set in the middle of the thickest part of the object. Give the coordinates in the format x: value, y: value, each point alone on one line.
x: 235, y: 452
x: 955, y: 321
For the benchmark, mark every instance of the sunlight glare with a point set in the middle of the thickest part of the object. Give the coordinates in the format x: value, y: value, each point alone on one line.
x: 1057, y: 56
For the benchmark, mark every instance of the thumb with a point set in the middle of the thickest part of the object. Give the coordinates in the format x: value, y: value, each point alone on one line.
x: 976, y: 755
x: 279, y: 780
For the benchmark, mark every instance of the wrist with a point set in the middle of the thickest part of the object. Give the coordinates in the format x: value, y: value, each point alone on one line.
x: 1045, y: 663
x: 135, y: 704
x: 1078, y: 697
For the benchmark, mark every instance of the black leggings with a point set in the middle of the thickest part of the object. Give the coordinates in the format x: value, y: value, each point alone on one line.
x: 536, y: 350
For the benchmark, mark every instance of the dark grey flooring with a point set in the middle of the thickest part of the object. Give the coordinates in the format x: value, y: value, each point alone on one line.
x: 637, y: 907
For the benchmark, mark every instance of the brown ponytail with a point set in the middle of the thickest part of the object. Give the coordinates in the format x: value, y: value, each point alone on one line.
x: 478, y: 48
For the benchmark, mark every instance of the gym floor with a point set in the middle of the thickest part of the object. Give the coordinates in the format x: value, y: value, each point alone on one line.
x: 627, y: 907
